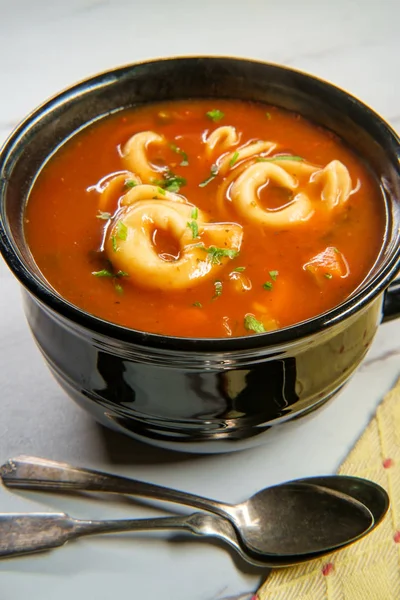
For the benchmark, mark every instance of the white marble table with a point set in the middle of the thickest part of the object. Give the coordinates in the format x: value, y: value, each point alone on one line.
x: 46, y: 45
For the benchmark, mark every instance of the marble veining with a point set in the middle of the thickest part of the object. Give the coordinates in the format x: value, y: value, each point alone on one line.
x: 47, y: 46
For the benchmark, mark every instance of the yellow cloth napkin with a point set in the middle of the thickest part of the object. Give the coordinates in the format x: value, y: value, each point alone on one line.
x: 369, y: 569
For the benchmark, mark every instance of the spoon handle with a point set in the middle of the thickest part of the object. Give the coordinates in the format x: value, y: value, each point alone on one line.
x: 29, y: 472
x: 28, y: 533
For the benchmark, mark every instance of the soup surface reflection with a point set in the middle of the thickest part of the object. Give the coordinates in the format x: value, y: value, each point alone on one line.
x: 205, y: 218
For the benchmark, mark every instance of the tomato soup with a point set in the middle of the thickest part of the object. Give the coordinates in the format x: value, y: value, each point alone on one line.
x: 205, y: 218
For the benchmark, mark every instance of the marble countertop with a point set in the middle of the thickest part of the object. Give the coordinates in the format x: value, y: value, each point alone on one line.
x: 47, y: 45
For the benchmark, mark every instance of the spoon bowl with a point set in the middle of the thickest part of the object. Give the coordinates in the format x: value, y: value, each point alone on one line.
x: 365, y: 491
x: 294, y: 518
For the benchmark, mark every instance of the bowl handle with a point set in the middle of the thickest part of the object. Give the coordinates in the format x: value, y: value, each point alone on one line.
x: 391, y: 302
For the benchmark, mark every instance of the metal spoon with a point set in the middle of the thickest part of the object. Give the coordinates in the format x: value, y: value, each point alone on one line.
x: 37, y: 532
x: 23, y: 534
x: 291, y: 520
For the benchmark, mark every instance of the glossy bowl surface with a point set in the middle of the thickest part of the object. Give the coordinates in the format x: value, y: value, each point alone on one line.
x: 200, y: 394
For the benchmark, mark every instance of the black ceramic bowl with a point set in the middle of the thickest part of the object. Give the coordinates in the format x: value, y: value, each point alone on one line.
x: 203, y: 395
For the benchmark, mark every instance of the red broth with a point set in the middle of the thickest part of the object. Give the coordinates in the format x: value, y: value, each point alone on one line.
x: 281, y: 275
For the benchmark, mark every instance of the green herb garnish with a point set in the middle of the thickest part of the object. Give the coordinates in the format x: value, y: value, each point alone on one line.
x: 195, y: 228
x: 130, y: 183
x: 213, y: 173
x: 161, y: 191
x: 267, y: 285
x: 215, y: 115
x: 215, y: 254
x: 108, y: 273
x: 105, y: 216
x: 185, y: 159
x: 274, y: 274
x: 218, y: 289
x: 114, y: 243
x: 283, y: 157
x: 198, y: 304
x: 234, y: 158
x: 122, y: 230
x: 193, y: 224
x: 328, y: 275
x: 239, y: 269
x: 103, y: 273
x: 119, y: 289
x: 252, y: 324
x: 171, y: 182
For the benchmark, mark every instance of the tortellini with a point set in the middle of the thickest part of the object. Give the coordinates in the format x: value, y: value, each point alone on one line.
x: 336, y: 181
x: 221, y: 139
x: 244, y: 196
x: 144, y: 207
x: 134, y: 153
x: 114, y: 188
x: 258, y: 168
x: 134, y: 251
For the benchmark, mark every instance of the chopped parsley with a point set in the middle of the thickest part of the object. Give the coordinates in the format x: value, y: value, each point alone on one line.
x: 161, y: 191
x: 108, y: 273
x: 213, y: 173
x: 215, y: 115
x: 103, y: 273
x: 267, y: 285
x: 252, y: 324
x: 171, y: 182
x: 198, y: 304
x: 193, y: 224
x: 105, y: 216
x: 114, y: 243
x: 274, y: 275
x: 195, y: 228
x: 268, y: 115
x: 282, y: 157
x: 215, y: 254
x: 328, y: 275
x: 177, y: 150
x: 122, y: 231
x: 239, y: 269
x: 234, y: 158
x: 336, y: 250
x: 130, y: 183
x: 218, y: 289
x: 119, y: 289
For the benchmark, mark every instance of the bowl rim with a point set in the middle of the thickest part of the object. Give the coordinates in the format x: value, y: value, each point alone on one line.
x: 45, y: 294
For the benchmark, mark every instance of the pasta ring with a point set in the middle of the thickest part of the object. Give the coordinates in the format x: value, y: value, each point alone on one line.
x: 337, y: 183
x: 134, y: 153
x: 244, y: 196
x: 136, y: 255
x: 113, y: 189
x: 223, y: 137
